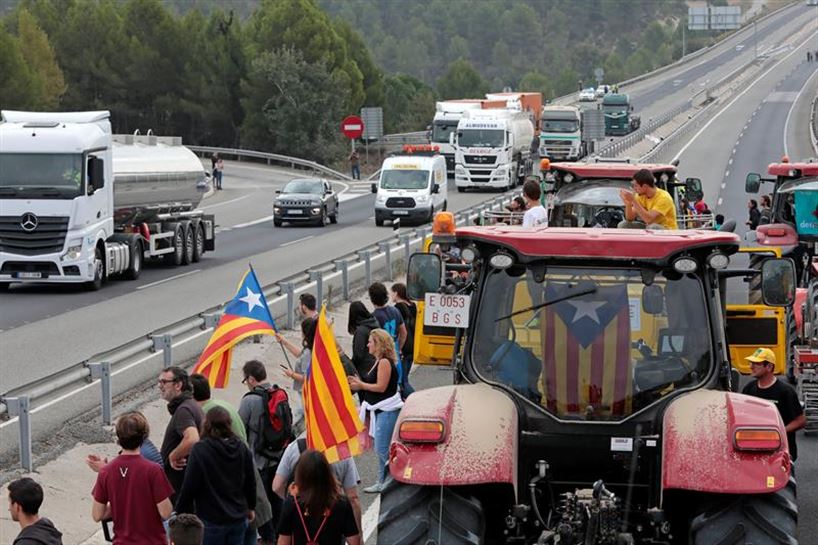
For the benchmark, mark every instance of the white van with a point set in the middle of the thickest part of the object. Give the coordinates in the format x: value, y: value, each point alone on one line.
x: 411, y: 187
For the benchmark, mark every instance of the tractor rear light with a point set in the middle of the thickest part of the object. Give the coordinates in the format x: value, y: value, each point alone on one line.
x: 757, y: 439
x: 776, y: 232
x: 422, y: 431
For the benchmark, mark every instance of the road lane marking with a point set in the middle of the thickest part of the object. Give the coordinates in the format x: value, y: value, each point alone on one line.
x: 169, y: 279
x: 369, y: 520
x: 296, y: 241
x: 254, y: 222
x: 789, y: 114
x: 222, y: 203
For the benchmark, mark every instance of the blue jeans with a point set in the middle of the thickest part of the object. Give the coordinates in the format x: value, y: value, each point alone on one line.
x: 385, y: 425
x: 406, y: 364
x: 228, y: 534
x: 356, y: 172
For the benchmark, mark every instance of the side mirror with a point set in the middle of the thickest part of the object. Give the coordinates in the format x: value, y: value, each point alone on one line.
x: 435, y: 188
x: 778, y: 282
x: 328, y: 192
x: 752, y: 183
x: 693, y: 188
x: 374, y: 188
x: 278, y: 191
x: 675, y: 162
x: 653, y: 299
x: 423, y: 275
x: 96, y: 173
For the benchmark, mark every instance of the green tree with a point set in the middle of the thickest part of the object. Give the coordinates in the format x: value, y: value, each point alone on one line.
x: 39, y: 56
x: 537, y: 82
x: 17, y: 86
x: 359, y: 53
x: 287, y: 107
x: 461, y: 80
x: 409, y: 104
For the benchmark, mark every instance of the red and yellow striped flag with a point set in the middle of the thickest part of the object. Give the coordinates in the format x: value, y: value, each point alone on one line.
x: 332, y: 422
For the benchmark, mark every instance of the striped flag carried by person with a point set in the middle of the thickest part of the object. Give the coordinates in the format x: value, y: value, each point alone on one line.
x: 246, y: 315
x: 332, y: 422
x: 587, y: 353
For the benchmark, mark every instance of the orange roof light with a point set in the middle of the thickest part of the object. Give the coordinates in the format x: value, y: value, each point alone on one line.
x: 545, y: 164
x: 785, y: 158
x: 443, y: 224
x: 420, y: 148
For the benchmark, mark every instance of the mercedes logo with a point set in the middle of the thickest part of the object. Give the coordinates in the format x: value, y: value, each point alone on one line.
x: 28, y: 222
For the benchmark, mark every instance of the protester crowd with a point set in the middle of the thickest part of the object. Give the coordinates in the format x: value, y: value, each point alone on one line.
x: 227, y: 476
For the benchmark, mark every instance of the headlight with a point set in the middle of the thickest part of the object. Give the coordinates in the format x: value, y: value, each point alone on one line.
x: 276, y: 209
x: 501, y: 261
x: 316, y: 210
x: 380, y: 199
x: 568, y: 178
x: 718, y: 260
x: 422, y: 199
x: 685, y: 265
x: 459, y: 169
x: 73, y: 253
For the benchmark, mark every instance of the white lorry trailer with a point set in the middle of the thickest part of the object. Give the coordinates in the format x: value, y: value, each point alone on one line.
x: 561, y: 134
x: 492, y: 149
x: 447, y: 115
x: 78, y: 206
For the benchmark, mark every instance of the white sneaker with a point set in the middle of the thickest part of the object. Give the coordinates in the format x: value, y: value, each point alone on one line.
x: 374, y: 489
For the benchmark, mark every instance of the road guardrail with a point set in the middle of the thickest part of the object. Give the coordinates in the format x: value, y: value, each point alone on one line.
x: 271, y: 158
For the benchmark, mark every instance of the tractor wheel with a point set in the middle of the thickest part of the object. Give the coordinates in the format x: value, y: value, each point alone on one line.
x: 411, y: 515
x: 750, y: 519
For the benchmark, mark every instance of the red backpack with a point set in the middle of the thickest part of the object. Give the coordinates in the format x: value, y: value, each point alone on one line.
x: 275, y: 430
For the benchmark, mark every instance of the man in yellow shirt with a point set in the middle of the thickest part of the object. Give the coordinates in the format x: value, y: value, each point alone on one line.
x: 647, y: 206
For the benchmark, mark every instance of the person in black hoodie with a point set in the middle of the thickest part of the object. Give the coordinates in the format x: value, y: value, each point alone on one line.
x: 25, y: 499
x: 360, y: 323
x: 219, y: 485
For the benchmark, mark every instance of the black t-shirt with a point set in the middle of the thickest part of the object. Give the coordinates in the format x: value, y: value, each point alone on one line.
x: 186, y: 415
x: 409, y: 312
x: 785, y: 399
x: 340, y: 523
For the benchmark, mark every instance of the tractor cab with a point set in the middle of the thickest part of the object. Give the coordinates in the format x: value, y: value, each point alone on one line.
x: 593, y: 399
x: 587, y: 194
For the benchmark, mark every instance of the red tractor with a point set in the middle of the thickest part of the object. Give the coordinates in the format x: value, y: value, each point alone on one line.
x: 594, y: 401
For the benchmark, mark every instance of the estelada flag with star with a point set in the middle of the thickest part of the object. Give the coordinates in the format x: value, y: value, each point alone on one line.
x: 246, y: 315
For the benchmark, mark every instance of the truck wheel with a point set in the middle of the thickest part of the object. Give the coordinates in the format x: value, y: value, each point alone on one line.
x: 4, y: 286
x: 175, y: 257
x: 137, y: 256
x: 198, y: 242
x: 410, y: 514
x: 748, y: 519
x: 190, y: 243
x: 277, y: 223
x: 99, y: 271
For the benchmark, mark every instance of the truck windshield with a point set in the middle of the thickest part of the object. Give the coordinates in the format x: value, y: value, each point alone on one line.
x: 609, y: 347
x: 442, y: 130
x: 41, y: 175
x: 481, y: 138
x: 560, y: 125
x: 404, y: 179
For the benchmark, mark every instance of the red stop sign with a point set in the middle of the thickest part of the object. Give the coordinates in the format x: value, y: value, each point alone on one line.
x: 352, y: 126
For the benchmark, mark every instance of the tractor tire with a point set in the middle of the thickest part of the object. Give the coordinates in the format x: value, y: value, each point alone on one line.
x: 461, y: 189
x: 750, y: 520
x: 410, y: 515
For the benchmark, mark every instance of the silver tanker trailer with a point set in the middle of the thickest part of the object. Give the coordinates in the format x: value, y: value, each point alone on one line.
x: 79, y: 205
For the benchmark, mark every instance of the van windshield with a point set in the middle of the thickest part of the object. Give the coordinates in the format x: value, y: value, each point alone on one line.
x: 481, y: 138
x: 404, y: 179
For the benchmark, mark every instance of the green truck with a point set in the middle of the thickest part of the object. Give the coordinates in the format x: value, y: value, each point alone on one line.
x: 619, y: 117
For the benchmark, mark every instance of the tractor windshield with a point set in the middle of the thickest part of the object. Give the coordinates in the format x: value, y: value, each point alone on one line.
x: 611, y: 343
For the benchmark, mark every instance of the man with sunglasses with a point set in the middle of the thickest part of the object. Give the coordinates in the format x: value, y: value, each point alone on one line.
x: 185, y: 422
x: 767, y: 386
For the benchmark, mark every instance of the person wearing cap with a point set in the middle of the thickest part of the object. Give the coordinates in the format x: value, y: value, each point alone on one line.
x: 767, y: 386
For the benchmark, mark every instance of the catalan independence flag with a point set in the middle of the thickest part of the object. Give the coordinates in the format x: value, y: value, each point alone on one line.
x: 247, y: 314
x: 587, y: 351
x: 332, y: 422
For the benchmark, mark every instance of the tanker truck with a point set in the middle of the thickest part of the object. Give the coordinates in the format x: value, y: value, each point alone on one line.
x: 79, y: 205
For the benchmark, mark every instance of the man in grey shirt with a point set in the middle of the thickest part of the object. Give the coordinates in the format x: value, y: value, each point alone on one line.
x: 346, y: 473
x: 251, y: 411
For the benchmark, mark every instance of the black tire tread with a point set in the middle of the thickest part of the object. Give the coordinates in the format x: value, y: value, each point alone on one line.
x: 410, y: 515
x: 749, y: 520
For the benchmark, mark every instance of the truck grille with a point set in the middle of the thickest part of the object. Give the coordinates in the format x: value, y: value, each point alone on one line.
x: 47, y: 268
x: 558, y: 143
x: 400, y: 202
x: 480, y: 176
x: 480, y: 159
x: 47, y: 237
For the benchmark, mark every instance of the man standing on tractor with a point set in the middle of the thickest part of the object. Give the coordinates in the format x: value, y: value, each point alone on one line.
x: 647, y: 205
x: 767, y: 386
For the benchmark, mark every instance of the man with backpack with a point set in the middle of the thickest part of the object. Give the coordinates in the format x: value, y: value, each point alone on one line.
x: 267, y: 417
x: 345, y: 471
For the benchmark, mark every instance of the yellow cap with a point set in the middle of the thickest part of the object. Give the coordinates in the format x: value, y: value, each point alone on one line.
x: 762, y: 354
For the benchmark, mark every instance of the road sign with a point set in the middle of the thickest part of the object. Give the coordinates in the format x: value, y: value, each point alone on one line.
x: 352, y: 126
x: 373, y: 123
x: 593, y: 125
x: 599, y: 73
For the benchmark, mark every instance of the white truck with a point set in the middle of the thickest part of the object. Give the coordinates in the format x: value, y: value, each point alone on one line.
x: 492, y: 149
x: 78, y: 207
x: 561, y: 134
x: 447, y: 115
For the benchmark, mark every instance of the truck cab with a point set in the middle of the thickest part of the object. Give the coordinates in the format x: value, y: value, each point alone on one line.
x: 492, y: 149
x: 561, y: 134
x: 619, y: 117
x: 447, y: 115
x: 412, y: 186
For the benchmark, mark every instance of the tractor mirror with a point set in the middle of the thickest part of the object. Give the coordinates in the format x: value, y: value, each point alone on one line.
x: 693, y: 188
x: 752, y: 183
x: 423, y: 275
x: 778, y: 282
x: 436, y: 188
x: 653, y: 299
x: 374, y: 188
